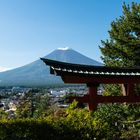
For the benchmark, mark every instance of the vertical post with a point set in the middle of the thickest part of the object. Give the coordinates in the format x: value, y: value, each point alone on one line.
x: 92, y: 91
x: 130, y: 90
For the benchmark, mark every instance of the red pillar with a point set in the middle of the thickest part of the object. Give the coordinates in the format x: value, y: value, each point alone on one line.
x: 130, y: 90
x: 93, y: 97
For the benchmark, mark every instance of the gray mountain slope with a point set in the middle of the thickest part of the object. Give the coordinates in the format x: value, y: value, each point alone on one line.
x: 38, y: 74
x: 72, y: 56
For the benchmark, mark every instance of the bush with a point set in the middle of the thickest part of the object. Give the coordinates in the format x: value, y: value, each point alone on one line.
x: 49, y: 128
x: 76, y: 124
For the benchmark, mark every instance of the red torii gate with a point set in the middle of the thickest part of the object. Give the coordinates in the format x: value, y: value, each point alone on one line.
x: 95, y: 75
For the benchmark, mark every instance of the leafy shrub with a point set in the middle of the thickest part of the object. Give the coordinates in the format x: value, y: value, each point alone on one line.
x: 108, y: 122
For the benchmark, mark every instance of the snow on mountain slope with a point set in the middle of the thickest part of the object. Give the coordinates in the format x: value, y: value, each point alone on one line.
x: 2, y: 69
x: 38, y: 74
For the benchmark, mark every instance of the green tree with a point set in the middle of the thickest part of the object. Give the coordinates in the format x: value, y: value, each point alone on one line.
x: 33, y: 105
x: 123, y: 47
x: 24, y: 109
x: 42, y: 106
x: 3, y: 114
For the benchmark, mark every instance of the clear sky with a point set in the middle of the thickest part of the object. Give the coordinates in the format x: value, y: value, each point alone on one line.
x: 30, y: 29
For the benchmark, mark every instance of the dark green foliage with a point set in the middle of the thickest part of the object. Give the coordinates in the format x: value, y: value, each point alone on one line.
x: 123, y: 47
x: 25, y: 130
x: 122, y: 50
x: 50, y: 128
x: 113, y: 90
x: 42, y: 107
x: 109, y: 118
x: 24, y: 109
x: 3, y: 114
x: 111, y: 121
x: 33, y: 105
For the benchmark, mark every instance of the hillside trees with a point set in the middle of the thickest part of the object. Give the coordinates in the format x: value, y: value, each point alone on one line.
x: 33, y: 104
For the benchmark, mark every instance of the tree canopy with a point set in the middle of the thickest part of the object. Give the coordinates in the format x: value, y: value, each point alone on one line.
x: 123, y: 47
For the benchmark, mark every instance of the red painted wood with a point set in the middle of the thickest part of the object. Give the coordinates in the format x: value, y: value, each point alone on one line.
x: 106, y: 99
x: 130, y: 90
x: 118, y: 99
x: 92, y: 92
x: 105, y: 80
x: 68, y: 74
x: 93, y: 99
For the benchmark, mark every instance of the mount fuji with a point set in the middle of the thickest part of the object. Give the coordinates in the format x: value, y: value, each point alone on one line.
x: 3, y: 69
x: 38, y: 74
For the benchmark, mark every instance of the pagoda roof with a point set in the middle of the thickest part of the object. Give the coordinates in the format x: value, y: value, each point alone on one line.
x: 68, y: 69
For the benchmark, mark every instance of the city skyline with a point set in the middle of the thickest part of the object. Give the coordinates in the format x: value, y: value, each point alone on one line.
x: 33, y: 29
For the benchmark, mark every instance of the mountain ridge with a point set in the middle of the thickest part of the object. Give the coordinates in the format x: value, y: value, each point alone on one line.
x: 37, y: 73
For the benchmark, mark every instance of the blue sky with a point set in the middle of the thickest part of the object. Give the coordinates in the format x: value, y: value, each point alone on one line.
x: 30, y: 29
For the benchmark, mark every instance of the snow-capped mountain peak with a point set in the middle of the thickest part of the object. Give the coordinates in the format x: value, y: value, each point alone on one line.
x: 71, y: 56
x: 64, y: 49
x: 2, y: 69
x: 38, y: 74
